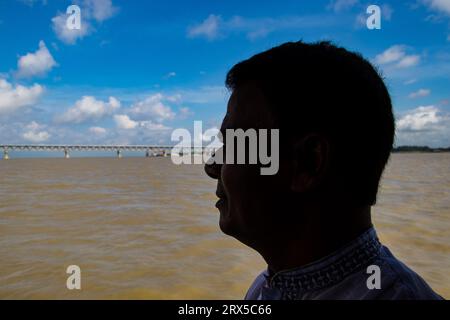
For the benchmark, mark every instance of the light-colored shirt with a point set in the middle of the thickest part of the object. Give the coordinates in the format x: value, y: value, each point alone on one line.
x: 348, y: 273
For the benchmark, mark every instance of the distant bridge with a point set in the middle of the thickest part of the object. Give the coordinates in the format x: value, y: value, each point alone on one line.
x: 148, y: 150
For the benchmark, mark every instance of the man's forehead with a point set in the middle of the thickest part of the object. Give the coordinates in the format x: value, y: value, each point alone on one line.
x: 248, y: 107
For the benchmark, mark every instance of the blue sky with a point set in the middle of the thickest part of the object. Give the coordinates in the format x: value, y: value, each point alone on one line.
x: 139, y: 69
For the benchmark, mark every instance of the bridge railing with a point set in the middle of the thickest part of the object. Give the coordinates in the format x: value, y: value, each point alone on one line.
x: 150, y: 150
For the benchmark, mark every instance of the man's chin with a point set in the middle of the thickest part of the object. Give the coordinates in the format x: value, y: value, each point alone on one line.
x: 230, y: 226
x: 225, y: 226
x: 225, y: 221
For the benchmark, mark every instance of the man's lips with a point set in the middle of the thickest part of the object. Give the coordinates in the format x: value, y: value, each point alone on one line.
x: 220, y: 193
x: 221, y: 203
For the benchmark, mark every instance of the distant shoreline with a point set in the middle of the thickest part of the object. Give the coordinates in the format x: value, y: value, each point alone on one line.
x: 132, y: 154
x: 420, y: 149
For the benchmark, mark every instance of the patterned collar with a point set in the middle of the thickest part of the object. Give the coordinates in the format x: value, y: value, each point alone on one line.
x: 329, y: 270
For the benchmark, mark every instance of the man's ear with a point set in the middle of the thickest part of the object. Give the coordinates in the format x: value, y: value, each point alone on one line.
x: 310, y: 162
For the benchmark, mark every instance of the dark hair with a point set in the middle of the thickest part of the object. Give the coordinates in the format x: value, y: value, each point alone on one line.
x: 320, y: 87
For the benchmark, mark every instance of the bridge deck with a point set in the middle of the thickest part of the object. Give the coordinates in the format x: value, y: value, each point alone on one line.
x: 82, y: 147
x: 66, y: 148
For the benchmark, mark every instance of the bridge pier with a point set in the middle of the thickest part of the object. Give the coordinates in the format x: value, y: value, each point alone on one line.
x: 5, y: 154
x: 66, y: 154
x: 119, y: 153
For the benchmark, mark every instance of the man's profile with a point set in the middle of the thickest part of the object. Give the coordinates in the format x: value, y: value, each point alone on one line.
x: 311, y: 221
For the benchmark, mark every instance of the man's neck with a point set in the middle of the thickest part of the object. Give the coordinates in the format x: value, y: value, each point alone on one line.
x: 316, y: 238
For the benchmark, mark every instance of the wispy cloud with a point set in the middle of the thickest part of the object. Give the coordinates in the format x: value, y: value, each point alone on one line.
x: 340, y: 5
x: 419, y: 93
x: 30, y: 3
x: 410, y: 81
x: 386, y: 12
x: 442, y: 6
x: 396, y: 56
x: 185, y: 112
x: 99, y: 10
x: 216, y: 27
x: 209, y: 28
x: 170, y: 75
x: 124, y: 122
x: 97, y: 130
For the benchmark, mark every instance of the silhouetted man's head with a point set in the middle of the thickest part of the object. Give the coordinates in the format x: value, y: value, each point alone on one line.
x: 336, y: 127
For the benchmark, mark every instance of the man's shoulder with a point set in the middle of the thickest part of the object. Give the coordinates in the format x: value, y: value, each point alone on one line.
x: 254, y: 291
x: 400, y: 281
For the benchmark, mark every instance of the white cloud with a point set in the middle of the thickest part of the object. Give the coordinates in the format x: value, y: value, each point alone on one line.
x: 340, y: 5
x: 34, y: 134
x: 208, y: 28
x: 35, y: 64
x: 397, y: 54
x: 124, y: 122
x: 91, y: 11
x: 89, y: 108
x: 419, y: 93
x: 424, y: 125
x: 419, y: 119
x: 66, y: 35
x: 152, y: 108
x: 97, y: 130
x: 15, y: 98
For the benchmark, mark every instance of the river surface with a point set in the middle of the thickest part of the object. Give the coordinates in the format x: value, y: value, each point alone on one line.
x: 145, y: 228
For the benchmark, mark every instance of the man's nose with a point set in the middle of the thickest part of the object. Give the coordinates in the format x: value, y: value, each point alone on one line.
x: 213, y: 170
